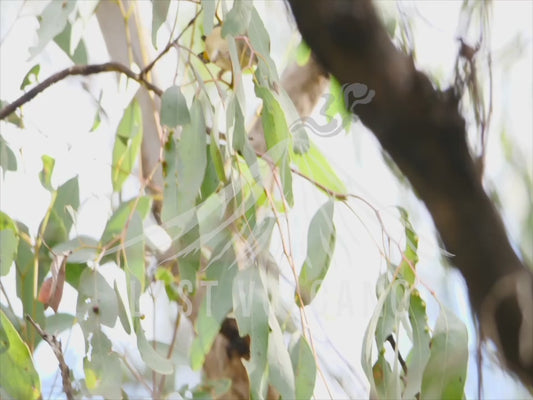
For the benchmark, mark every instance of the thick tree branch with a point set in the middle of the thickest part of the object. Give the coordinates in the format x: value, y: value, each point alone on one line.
x: 423, y: 131
x: 56, y: 348
x: 77, y: 70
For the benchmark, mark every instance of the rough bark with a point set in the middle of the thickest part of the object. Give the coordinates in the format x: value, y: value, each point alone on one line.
x: 423, y: 131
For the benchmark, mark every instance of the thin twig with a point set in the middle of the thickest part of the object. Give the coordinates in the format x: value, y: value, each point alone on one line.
x: 56, y: 348
x: 78, y: 70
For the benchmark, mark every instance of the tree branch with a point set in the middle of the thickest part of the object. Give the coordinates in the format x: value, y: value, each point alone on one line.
x: 77, y: 70
x: 423, y: 131
x: 56, y: 348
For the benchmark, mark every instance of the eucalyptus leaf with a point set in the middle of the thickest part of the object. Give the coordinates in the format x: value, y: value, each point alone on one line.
x: 127, y: 145
x: 174, y: 110
x: 8, y: 161
x: 9, y: 242
x: 320, y: 246
x: 159, y: 16
x: 304, y: 366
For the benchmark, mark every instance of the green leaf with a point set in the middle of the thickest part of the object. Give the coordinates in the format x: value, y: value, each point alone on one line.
x: 152, y: 358
x: 411, y: 245
x: 159, y: 15
x: 73, y: 45
x: 281, y: 374
x: 338, y: 106
x: 57, y: 323
x: 46, y: 173
x: 320, y: 245
x: 18, y: 379
x: 385, y: 382
x: 116, y: 224
x: 266, y: 72
x: 60, y: 221
x: 134, y: 252
x: 16, y: 120
x: 419, y: 354
x: 32, y: 76
x: 9, y: 242
x: 304, y: 366
x: 174, y: 110
x: 445, y: 373
x: 315, y: 166
x: 277, y: 138
x: 52, y: 22
x: 217, y: 303
x: 127, y: 145
x: 209, y: 8
x: 237, y: 20
x: 8, y: 161
x: 217, y: 159
x: 81, y: 249
x: 97, y: 303
x: 303, y: 53
x: 251, y: 308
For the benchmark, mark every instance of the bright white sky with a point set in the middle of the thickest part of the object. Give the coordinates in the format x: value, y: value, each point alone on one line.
x: 58, y: 122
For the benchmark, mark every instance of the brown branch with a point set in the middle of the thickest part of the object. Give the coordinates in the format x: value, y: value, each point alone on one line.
x: 56, y: 348
x: 77, y: 70
x: 424, y: 133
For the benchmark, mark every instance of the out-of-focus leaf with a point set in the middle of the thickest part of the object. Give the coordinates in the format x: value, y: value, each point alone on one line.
x: 159, y: 15
x: 97, y: 302
x: 445, y: 373
x: 304, y: 367
x: 127, y: 145
x: 8, y: 161
x: 174, y: 110
x: 266, y: 72
x: 320, y: 245
x: 238, y: 18
x: 151, y: 357
x: 103, y: 373
x: 116, y: 224
x: 52, y: 22
x: 70, y: 41
x: 134, y: 251
x: 217, y: 159
x: 419, y: 354
x: 314, y: 165
x: 51, y: 290
x: 9, y: 242
x: 60, y: 221
x: 122, y: 314
x: 217, y: 303
x: 209, y: 7
x: 32, y: 76
x: 251, y: 308
x: 280, y: 371
x: 303, y: 53
x: 338, y: 106
x: 81, y: 249
x: 46, y: 173
x: 277, y: 138
x: 411, y: 245
x: 385, y: 384
x: 13, y: 118
x: 57, y: 323
x: 18, y: 379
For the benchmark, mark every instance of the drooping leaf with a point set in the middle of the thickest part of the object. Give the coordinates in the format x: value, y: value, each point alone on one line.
x: 134, y: 249
x: 127, y: 145
x: 67, y: 198
x: 385, y: 385
x: 9, y: 241
x: 18, y: 379
x: 159, y: 15
x: 174, y: 110
x: 320, y: 245
x: 410, y: 256
x: 116, y: 224
x: 209, y: 8
x: 237, y: 20
x: 445, y: 373
x: 266, y: 72
x: 280, y: 371
x: 277, y: 138
x: 304, y: 367
x: 151, y: 357
x: 52, y: 22
x: 46, y: 173
x: 8, y: 161
x: 71, y: 42
x: 251, y: 308
x: 97, y: 303
x: 420, y: 352
x: 32, y: 76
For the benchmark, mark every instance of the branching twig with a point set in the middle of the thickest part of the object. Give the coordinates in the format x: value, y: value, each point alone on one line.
x: 56, y: 348
x: 78, y: 70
